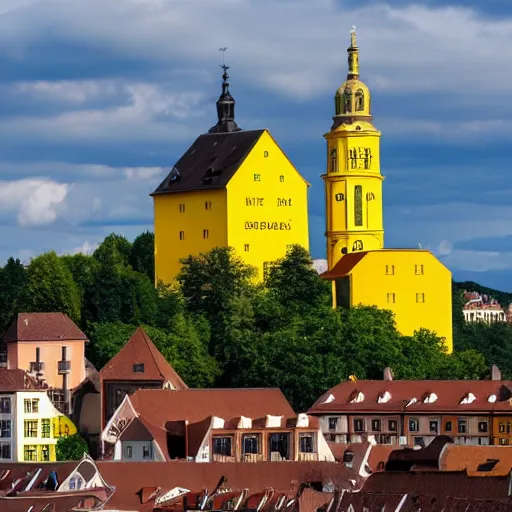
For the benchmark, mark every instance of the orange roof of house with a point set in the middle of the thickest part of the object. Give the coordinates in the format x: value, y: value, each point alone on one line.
x: 446, y: 396
x: 466, y: 457
x: 43, y: 327
x: 345, y: 265
x: 159, y: 406
x: 140, y: 349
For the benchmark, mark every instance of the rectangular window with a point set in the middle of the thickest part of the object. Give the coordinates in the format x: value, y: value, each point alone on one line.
x: 482, y: 426
x: 45, y: 428
x: 5, y: 451
x: 45, y: 453
x: 376, y: 425
x: 390, y: 270
x: 358, y: 205
x: 462, y: 426
x: 257, y: 177
x: 222, y: 446
x: 138, y: 368
x: 306, y: 443
x: 434, y: 426
x: 182, y: 235
x: 146, y: 451
x: 391, y: 298
x: 265, y: 154
x: 207, y: 205
x: 502, y: 427
x: 205, y: 234
x: 392, y: 425
x: 503, y: 441
x: 246, y: 247
x: 418, y: 270
x: 5, y: 428
x: 281, y: 179
x: 31, y: 405
x: 30, y: 453
x: 420, y: 297
x: 448, y: 426
x: 333, y: 423
x: 30, y: 428
x: 5, y: 405
x: 251, y: 444
x: 358, y: 425
x: 182, y: 208
x: 128, y: 452
x: 414, y: 425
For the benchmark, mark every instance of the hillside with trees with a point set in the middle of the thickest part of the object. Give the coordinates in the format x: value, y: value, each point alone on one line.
x: 218, y: 328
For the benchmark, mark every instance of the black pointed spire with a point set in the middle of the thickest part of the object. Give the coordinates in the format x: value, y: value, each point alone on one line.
x: 225, y: 107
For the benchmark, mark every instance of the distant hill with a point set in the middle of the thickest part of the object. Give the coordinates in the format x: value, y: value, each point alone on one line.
x: 503, y: 298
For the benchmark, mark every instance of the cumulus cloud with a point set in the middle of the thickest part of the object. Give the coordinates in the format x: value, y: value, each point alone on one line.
x: 36, y: 201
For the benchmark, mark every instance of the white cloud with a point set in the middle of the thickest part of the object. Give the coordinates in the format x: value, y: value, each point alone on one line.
x: 86, y: 248
x: 143, y: 173
x: 36, y: 201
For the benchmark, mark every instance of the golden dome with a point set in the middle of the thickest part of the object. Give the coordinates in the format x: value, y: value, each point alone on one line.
x: 352, y: 99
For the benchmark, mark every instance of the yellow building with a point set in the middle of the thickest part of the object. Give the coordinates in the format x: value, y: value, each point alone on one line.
x: 411, y: 283
x: 231, y: 188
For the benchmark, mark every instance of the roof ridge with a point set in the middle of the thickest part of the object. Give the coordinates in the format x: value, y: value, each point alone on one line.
x: 150, y: 345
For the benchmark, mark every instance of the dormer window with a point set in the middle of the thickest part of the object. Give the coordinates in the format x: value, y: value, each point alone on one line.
x: 138, y: 368
x: 334, y: 160
x: 174, y: 176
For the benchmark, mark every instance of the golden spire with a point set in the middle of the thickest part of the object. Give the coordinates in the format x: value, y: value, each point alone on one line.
x: 353, y: 56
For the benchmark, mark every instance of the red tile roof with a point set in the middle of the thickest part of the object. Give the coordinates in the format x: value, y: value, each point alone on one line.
x: 465, y: 457
x: 449, y: 395
x: 140, y: 349
x: 159, y: 406
x: 43, y: 327
x: 345, y: 265
x: 15, y: 380
x: 129, y: 478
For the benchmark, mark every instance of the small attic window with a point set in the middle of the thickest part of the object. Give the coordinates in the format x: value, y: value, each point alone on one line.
x: 174, y: 176
x: 265, y: 154
x: 138, y: 368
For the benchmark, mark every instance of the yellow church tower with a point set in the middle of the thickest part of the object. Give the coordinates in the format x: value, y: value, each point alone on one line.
x: 353, y: 182
x: 412, y: 283
x: 234, y: 188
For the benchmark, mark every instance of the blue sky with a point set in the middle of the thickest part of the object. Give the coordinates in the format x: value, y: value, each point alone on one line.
x: 100, y: 97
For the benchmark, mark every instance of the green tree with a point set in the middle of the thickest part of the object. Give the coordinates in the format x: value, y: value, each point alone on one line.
x: 142, y: 254
x: 14, y: 297
x: 295, y: 283
x: 51, y: 286
x: 71, y: 447
x: 114, y: 244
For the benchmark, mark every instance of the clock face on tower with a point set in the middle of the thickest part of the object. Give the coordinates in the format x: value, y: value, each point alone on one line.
x: 359, y: 158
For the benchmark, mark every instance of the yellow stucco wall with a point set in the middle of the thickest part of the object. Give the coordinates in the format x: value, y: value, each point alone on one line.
x: 180, y: 223
x: 353, y: 168
x: 421, y: 284
x: 267, y: 206
x: 257, y: 216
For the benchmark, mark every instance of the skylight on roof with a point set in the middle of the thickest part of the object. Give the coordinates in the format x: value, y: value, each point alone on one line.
x: 430, y: 398
x: 384, y: 398
x: 358, y: 398
x: 468, y: 399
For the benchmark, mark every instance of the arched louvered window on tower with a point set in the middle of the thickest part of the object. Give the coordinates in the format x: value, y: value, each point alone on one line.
x: 359, y: 100
x: 358, y: 205
x: 334, y: 160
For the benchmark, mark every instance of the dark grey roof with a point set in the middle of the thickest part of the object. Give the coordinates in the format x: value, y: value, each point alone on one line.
x: 210, y: 162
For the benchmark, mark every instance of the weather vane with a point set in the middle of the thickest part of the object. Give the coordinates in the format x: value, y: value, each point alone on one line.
x: 223, y: 65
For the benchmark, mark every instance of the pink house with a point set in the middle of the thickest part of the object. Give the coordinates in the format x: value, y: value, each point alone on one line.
x: 50, y: 347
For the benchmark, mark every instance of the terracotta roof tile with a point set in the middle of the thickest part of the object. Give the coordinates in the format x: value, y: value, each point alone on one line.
x: 43, y: 327
x: 129, y: 478
x: 159, y: 406
x: 345, y: 265
x: 465, y: 457
x: 449, y: 394
x: 15, y: 380
x: 140, y: 349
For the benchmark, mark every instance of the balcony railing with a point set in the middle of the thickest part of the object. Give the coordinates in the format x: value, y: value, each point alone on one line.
x: 36, y: 367
x: 64, y: 367
x: 217, y: 457
x: 252, y: 457
x: 308, y: 457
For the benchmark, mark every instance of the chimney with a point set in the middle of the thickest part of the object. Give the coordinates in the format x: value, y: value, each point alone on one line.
x: 388, y: 374
x: 495, y: 373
